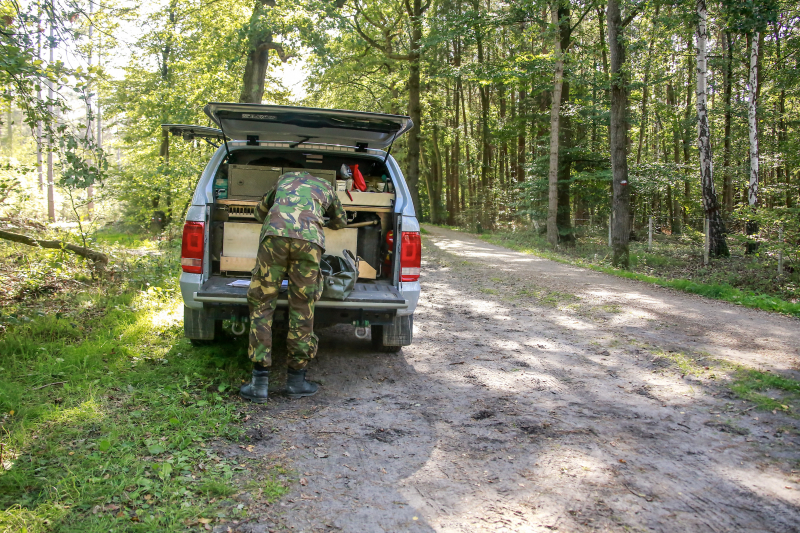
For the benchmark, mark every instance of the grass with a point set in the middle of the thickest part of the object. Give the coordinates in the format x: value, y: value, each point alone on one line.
x: 768, y: 391
x: 109, y: 419
x: 743, y: 280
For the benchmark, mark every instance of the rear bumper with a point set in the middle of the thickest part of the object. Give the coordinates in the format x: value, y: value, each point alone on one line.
x: 191, y: 283
x: 283, y: 302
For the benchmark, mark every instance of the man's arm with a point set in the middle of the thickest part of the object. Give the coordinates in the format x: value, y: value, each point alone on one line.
x: 262, y: 209
x: 338, y: 218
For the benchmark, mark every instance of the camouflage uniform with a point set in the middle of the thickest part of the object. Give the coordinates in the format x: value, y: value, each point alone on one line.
x: 291, y: 242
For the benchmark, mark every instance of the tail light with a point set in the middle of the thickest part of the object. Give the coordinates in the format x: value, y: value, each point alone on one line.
x: 192, y: 247
x: 410, y: 256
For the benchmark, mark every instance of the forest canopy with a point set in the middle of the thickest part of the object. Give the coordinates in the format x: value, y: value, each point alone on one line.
x: 546, y: 114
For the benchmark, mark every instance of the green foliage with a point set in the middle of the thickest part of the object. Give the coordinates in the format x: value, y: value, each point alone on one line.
x: 111, y: 420
x: 767, y: 390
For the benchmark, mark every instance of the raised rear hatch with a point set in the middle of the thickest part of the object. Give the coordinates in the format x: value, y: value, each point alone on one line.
x: 257, y: 122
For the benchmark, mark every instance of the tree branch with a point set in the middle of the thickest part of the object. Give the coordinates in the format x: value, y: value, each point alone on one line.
x: 99, y: 259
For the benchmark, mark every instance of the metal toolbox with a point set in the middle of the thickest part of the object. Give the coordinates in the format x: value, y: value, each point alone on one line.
x: 251, y: 183
x: 329, y: 175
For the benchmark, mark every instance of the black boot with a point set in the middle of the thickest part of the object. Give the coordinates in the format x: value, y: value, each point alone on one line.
x: 297, y: 386
x: 256, y: 391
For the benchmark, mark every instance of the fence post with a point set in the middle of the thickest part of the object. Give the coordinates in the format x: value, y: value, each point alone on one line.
x: 610, y: 219
x: 650, y: 234
x: 706, y: 243
x: 780, y: 251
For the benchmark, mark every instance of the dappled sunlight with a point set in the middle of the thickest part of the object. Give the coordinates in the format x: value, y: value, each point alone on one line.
x: 88, y: 411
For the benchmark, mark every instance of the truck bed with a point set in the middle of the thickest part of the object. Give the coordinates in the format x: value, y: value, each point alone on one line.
x: 370, y: 295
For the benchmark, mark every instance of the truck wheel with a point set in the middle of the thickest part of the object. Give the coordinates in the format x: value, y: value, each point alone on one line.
x: 377, y: 341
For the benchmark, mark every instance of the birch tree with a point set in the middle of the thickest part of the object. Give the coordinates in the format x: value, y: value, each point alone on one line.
x: 752, y: 129
x: 716, y: 227
x: 555, y: 111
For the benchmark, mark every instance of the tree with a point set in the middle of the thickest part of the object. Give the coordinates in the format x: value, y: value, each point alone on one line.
x: 716, y: 227
x: 618, y: 137
x: 555, y: 113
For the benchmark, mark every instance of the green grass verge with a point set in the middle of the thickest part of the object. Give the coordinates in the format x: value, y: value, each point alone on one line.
x: 716, y: 291
x: 111, y: 421
x: 766, y: 390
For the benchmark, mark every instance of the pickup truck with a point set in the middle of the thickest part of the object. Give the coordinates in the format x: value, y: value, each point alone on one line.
x: 256, y: 144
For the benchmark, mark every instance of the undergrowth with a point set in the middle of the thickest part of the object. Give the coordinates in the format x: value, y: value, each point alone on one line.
x: 109, y: 419
x: 747, y: 281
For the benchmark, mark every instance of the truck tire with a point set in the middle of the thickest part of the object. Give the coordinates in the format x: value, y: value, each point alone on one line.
x: 391, y: 338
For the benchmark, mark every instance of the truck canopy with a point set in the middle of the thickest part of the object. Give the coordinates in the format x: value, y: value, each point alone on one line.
x: 256, y: 122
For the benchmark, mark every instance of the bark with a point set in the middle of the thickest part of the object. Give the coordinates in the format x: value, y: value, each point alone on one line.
x: 260, y: 42
x: 752, y: 123
x: 414, y: 104
x: 566, y: 136
x: 555, y: 112
x: 51, y: 203
x: 99, y: 259
x: 521, y: 140
x: 727, y: 184
x: 618, y: 139
x: 438, y: 174
x: 487, y: 217
x: 717, y: 244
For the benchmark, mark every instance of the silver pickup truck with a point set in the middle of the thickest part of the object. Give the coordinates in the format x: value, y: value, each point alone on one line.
x: 258, y: 143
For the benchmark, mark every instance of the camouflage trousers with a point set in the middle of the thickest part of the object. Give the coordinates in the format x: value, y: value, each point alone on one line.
x: 300, y: 260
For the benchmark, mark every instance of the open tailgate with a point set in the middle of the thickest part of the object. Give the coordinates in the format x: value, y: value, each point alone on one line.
x: 364, y: 296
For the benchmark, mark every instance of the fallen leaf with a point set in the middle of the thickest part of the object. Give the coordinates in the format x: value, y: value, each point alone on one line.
x: 623, y: 461
x: 250, y: 448
x: 204, y: 520
x: 303, y: 481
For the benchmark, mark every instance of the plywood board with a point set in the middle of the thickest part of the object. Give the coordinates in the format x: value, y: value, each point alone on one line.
x: 341, y: 239
x: 366, y: 271
x: 240, y: 239
x: 237, y: 264
x: 376, y: 199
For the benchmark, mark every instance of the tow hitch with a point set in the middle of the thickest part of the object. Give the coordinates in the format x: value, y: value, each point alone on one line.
x: 361, y: 325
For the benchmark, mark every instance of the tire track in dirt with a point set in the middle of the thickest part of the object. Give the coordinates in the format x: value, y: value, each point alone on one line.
x: 536, y: 397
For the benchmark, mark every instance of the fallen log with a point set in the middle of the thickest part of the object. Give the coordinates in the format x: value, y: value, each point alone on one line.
x: 99, y: 259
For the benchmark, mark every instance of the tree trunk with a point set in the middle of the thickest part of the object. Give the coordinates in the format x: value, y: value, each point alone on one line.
x: 752, y: 123
x: 51, y: 203
x: 618, y: 139
x: 414, y: 104
x: 521, y: 140
x: 555, y: 112
x: 563, y: 213
x: 686, y: 134
x: 727, y: 184
x: 716, y: 227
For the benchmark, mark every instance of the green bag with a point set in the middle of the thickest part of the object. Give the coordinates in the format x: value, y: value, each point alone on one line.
x: 339, y: 275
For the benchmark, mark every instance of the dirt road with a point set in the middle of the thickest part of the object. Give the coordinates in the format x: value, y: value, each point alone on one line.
x: 539, y: 397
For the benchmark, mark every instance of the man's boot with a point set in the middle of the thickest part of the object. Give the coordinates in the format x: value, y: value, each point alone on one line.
x: 256, y: 391
x: 297, y: 386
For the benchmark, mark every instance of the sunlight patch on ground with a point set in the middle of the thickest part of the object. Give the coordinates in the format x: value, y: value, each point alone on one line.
x: 85, y: 412
x: 570, y: 322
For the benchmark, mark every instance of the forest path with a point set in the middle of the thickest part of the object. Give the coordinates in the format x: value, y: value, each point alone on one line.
x: 538, y: 397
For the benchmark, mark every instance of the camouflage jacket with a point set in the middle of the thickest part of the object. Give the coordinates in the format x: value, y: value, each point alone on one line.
x: 295, y: 207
